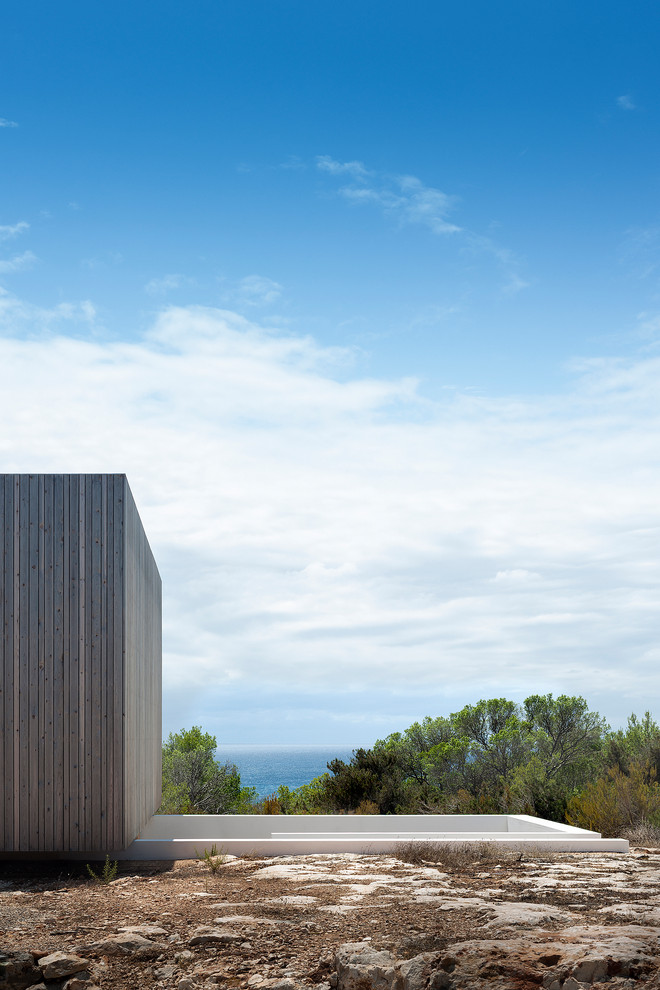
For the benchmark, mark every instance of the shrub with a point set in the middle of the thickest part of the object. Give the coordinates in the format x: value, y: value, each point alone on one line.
x: 269, y: 805
x: 617, y: 802
x: 308, y: 799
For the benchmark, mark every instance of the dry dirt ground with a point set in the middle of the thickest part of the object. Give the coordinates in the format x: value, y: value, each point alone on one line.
x: 559, y: 921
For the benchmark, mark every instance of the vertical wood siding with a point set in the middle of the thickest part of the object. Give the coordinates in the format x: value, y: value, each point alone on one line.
x: 142, y: 674
x: 80, y: 665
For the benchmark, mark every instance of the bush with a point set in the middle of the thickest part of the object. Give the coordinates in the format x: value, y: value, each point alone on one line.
x: 308, y: 799
x: 617, y: 802
x: 269, y: 805
x: 372, y: 778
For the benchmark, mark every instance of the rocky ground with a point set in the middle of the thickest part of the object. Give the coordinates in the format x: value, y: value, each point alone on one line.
x: 347, y: 922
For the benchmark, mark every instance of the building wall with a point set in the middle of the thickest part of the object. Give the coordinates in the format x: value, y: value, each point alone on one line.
x: 79, y: 674
x: 142, y: 676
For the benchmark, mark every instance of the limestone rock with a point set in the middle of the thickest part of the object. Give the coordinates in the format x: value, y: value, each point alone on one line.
x: 359, y: 965
x: 60, y: 964
x: 572, y: 959
x: 165, y: 972
x: 552, y: 959
x: 513, y: 913
x: 207, y: 935
x: 248, y: 920
x: 128, y: 943
x: 148, y: 931
x: 17, y: 970
x: 415, y: 971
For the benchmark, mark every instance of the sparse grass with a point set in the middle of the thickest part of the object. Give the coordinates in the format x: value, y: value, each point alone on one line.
x: 458, y: 855
x: 643, y: 834
x: 107, y: 874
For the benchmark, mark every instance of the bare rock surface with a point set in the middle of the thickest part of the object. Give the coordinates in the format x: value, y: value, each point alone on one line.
x: 338, y: 922
x: 126, y: 943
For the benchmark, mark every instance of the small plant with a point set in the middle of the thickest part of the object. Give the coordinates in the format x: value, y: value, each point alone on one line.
x: 107, y: 874
x: 212, y: 858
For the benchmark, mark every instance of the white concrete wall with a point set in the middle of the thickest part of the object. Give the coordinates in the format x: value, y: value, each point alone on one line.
x: 173, y: 849
x: 187, y: 836
x: 261, y: 826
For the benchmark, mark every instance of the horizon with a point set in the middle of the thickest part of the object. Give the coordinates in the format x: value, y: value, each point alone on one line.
x: 365, y: 302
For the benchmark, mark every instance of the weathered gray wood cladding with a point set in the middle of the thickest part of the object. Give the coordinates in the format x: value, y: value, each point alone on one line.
x: 80, y: 677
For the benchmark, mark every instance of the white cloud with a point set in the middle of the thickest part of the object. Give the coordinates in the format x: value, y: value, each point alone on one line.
x: 408, y: 200
x: 319, y: 532
x: 257, y: 290
x: 404, y: 197
x: 12, y: 230
x: 18, y: 263
x: 161, y: 286
x: 515, y: 283
x: 648, y: 326
x: 327, y: 164
x: 7, y: 123
x: 641, y: 250
x: 18, y: 317
x: 108, y: 259
x: 625, y: 103
x: 294, y: 163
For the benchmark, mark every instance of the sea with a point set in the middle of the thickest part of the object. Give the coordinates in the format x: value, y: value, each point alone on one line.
x: 268, y: 767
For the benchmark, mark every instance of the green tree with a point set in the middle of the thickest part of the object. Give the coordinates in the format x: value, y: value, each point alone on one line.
x: 638, y: 743
x: 495, y: 755
x: 567, y: 737
x: 412, y: 746
x: 194, y: 782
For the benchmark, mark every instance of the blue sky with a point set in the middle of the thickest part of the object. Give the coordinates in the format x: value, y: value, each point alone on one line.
x: 364, y: 299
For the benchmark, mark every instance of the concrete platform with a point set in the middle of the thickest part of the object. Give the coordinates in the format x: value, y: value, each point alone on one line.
x: 186, y: 836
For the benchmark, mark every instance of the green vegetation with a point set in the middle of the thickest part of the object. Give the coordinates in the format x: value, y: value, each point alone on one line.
x: 194, y: 783
x: 625, y: 797
x: 550, y: 757
x: 212, y: 858
x: 107, y: 874
x: 495, y: 756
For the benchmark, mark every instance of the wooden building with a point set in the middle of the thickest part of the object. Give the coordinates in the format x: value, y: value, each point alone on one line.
x: 80, y: 672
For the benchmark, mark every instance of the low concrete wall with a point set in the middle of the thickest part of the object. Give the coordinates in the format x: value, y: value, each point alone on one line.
x: 262, y: 826
x: 186, y: 836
